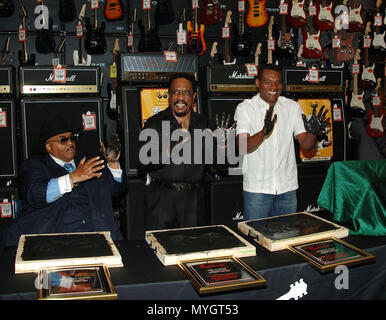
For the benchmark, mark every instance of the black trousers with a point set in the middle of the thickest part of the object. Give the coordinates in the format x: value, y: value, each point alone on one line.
x: 167, y: 208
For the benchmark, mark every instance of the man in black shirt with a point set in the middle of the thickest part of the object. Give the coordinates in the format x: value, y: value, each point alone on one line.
x: 175, y: 197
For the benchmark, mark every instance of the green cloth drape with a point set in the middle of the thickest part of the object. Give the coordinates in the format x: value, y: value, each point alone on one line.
x: 355, y: 192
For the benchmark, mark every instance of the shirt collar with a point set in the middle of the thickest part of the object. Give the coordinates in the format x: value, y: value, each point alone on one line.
x: 61, y: 162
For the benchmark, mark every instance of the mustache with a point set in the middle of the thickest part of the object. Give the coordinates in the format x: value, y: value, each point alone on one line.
x: 180, y: 101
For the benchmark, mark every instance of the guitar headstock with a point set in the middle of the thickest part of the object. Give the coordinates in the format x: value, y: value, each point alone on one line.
x: 23, y: 13
x: 182, y: 18
x: 213, y: 51
x: 81, y: 14
x: 133, y: 18
x: 60, y: 48
x: 116, y: 46
x: 300, y: 51
x: 228, y: 19
x: 378, y: 4
x: 378, y: 84
x: 368, y: 28
x: 271, y: 21
x: 257, y: 53
x: 357, y: 55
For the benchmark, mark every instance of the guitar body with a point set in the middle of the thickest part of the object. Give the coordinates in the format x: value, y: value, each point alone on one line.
x: 311, y: 45
x: 149, y: 41
x: 82, y: 61
x: 7, y: 8
x: 284, y: 45
x: 375, y: 126
x: 367, y: 80
x: 356, y: 101
x: 241, y: 44
x: 297, y: 15
x: 31, y: 59
x: 356, y: 23
x: 164, y: 12
x: 257, y: 15
x: 379, y: 41
x: 346, y: 52
x: 95, y: 40
x: 67, y: 10
x: 45, y: 41
x: 113, y: 10
x: 196, y: 42
x: 324, y: 19
x: 210, y: 12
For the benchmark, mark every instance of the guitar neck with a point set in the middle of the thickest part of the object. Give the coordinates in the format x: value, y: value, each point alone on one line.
x: 355, y: 89
x: 195, y: 21
x: 80, y: 54
x: 147, y: 20
x: 241, y: 23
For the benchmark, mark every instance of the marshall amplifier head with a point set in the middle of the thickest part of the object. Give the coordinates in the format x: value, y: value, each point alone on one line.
x: 7, y: 80
x: 298, y: 80
x: 84, y: 113
x: 41, y: 80
x: 229, y: 78
x: 152, y: 67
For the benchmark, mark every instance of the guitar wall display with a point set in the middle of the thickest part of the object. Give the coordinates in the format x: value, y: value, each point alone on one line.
x: 324, y: 19
x: 297, y: 15
x: 196, y: 41
x: 379, y: 38
x: 149, y: 40
x: 356, y: 101
x: 95, y: 40
x: 367, y: 80
x: 78, y: 54
x: 241, y: 44
x: 374, y: 127
x: 113, y: 10
x: 210, y: 12
x: 257, y: 15
x: 355, y: 18
x: 24, y: 58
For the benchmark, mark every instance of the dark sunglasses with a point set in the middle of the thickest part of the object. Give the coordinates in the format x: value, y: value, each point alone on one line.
x: 65, y: 139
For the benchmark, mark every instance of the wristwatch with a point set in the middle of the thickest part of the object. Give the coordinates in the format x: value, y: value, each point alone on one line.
x: 74, y: 183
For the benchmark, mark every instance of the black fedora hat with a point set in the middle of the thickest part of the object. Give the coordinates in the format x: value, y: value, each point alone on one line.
x: 53, y: 125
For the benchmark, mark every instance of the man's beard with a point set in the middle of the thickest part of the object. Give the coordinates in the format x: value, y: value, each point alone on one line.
x: 181, y: 113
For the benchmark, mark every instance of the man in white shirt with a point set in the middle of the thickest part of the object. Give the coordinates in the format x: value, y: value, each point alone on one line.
x: 63, y: 192
x: 266, y: 125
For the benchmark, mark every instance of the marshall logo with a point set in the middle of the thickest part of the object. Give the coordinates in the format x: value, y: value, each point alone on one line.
x: 321, y: 79
x: 239, y: 216
x: 236, y: 75
x: 50, y: 78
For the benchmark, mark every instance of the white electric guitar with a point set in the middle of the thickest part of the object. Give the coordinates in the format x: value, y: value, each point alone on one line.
x: 367, y: 69
x: 355, y: 15
x: 77, y: 54
x: 356, y: 98
x: 297, y: 290
x: 379, y: 38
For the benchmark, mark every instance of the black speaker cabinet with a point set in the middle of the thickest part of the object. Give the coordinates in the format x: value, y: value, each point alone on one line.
x: 8, y: 160
x: 311, y: 180
x: 226, y: 201
x: 85, y: 113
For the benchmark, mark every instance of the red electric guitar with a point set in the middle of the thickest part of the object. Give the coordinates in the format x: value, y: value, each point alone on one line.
x: 311, y: 44
x: 210, y: 12
x: 324, y: 20
x: 297, y: 15
x: 375, y: 126
x: 355, y: 17
x: 196, y: 41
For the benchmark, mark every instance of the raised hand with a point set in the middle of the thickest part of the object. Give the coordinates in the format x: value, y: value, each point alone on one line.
x: 87, y: 170
x: 269, y: 123
x: 316, y: 123
x: 113, y: 151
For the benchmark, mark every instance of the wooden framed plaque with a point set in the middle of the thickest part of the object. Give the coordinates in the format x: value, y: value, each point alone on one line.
x: 76, y: 283
x: 220, y: 274
x: 326, y: 254
x: 38, y: 251
x: 174, y: 245
x: 276, y: 233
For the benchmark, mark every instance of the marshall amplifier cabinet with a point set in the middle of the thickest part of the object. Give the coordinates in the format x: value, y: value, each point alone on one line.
x: 229, y: 78
x: 7, y: 80
x: 297, y: 80
x: 8, y: 161
x: 41, y: 80
x: 84, y: 112
x: 152, y: 67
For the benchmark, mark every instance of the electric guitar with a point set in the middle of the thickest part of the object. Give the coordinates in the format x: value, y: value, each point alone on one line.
x: 95, y: 40
x: 113, y: 10
x: 133, y: 20
x: 45, y: 41
x: 375, y: 126
x: 5, y: 51
x: 77, y: 55
x: 355, y: 17
x: 270, y: 55
x: 213, y: 53
x: 7, y: 8
x: 181, y: 29
x: 257, y: 15
x: 379, y: 38
x: 356, y: 101
x: 257, y: 54
x: 311, y: 44
x: 297, y: 15
x: 324, y: 19
x: 164, y: 12
x: 297, y: 290
x: 285, y: 46
x: 111, y: 88
x: 149, y: 40
x: 196, y: 41
x: 241, y: 44
x: 227, y: 23
x: 367, y: 80
x: 210, y: 12
x: 56, y: 61
x: 336, y: 63
x: 24, y: 58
